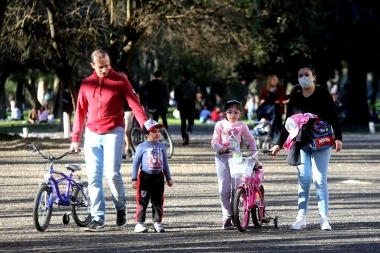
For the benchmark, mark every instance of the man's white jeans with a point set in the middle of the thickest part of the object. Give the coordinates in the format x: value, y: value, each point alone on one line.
x: 103, y: 155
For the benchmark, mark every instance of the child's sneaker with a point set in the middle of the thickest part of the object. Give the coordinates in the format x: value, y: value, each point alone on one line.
x: 227, y: 224
x: 300, y: 222
x: 325, y: 223
x: 141, y: 228
x: 158, y: 227
x: 232, y: 220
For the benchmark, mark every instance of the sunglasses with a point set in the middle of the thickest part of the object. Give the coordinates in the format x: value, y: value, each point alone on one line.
x: 233, y: 112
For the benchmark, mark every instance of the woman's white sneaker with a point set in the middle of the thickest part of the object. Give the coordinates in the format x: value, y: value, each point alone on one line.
x: 300, y: 222
x: 325, y: 223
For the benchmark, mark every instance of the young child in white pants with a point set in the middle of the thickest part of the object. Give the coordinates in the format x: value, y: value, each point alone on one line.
x: 227, y: 136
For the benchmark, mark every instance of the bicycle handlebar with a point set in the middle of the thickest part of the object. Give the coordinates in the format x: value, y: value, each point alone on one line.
x: 264, y: 151
x: 49, y: 157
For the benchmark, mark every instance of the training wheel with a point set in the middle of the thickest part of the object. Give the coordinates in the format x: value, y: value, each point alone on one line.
x: 276, y: 222
x: 65, y: 219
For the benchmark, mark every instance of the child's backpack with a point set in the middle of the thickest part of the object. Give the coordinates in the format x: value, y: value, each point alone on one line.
x: 321, y: 134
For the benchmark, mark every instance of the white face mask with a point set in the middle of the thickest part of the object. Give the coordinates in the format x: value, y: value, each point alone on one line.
x: 306, y: 81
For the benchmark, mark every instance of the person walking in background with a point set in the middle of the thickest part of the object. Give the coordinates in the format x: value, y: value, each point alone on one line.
x: 156, y: 96
x: 149, y: 169
x: 228, y: 135
x: 340, y: 110
x: 313, y: 165
x: 185, y: 95
x: 128, y: 114
x: 99, y: 108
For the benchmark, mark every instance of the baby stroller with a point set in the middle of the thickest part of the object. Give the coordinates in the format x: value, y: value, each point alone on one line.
x: 266, y: 133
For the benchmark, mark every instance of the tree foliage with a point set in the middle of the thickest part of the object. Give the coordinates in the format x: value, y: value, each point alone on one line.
x: 210, y: 37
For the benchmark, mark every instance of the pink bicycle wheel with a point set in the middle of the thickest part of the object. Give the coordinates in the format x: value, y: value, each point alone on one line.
x: 241, y: 211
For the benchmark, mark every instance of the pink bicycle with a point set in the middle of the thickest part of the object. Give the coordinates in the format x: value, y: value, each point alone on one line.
x: 249, y: 196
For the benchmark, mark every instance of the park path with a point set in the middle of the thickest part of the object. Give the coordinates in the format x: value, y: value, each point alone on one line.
x: 192, y: 210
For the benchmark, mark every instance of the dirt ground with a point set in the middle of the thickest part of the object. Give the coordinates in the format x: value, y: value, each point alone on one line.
x: 192, y: 210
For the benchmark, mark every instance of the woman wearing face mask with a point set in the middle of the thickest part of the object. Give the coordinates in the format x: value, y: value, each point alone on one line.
x: 314, y: 164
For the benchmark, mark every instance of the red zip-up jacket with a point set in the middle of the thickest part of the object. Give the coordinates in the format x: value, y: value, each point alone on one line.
x: 101, y: 104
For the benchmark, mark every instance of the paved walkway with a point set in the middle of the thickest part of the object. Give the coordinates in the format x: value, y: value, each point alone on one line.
x: 192, y: 209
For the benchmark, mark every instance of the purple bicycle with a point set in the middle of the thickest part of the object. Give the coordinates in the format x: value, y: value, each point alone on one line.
x: 73, y: 196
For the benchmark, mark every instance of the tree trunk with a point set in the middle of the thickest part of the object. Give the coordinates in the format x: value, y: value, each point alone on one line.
x: 375, y: 86
x: 41, y: 90
x: 131, y: 36
x: 113, y: 52
x: 3, y: 98
x: 20, y: 99
x: 56, y: 99
x: 32, y: 98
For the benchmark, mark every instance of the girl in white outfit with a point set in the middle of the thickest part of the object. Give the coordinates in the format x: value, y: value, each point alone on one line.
x: 228, y: 135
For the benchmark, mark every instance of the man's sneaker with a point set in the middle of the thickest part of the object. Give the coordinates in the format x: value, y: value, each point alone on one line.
x: 141, y: 228
x: 325, y: 223
x: 227, y: 224
x: 95, y: 226
x: 300, y: 222
x: 121, y: 219
x: 158, y: 227
x: 129, y: 153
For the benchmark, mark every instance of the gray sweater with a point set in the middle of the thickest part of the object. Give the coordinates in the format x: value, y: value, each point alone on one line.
x: 151, y: 158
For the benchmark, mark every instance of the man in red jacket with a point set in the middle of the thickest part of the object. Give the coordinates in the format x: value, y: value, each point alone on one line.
x: 100, y: 111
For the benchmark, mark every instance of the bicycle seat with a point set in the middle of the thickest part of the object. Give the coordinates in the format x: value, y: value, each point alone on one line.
x: 73, y: 167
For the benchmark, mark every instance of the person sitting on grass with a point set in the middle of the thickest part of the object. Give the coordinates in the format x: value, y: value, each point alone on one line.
x: 204, y: 115
x: 16, y: 113
x: 43, y: 115
x: 33, y: 116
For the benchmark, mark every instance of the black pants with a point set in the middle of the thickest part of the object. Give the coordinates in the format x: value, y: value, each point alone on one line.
x: 276, y: 124
x: 186, y: 112
x: 161, y: 112
x: 150, y: 186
